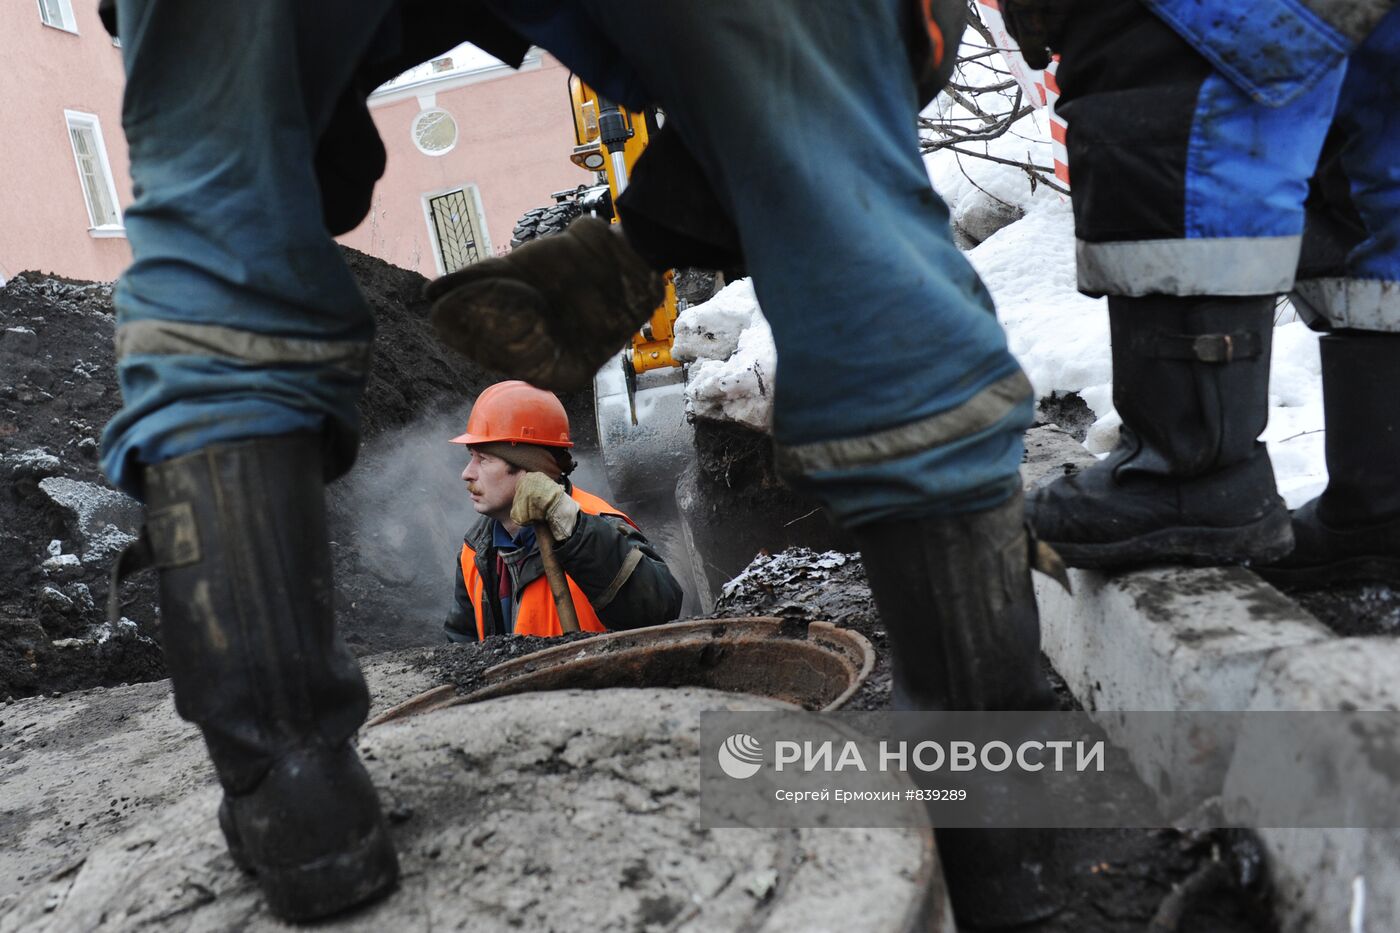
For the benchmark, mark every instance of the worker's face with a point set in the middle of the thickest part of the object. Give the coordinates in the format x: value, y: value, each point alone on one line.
x: 491, y: 484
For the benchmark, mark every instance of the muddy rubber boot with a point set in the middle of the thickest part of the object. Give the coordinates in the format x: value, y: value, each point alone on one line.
x: 238, y: 534
x: 956, y: 599
x: 1189, y: 482
x: 1351, y: 533
x: 551, y: 312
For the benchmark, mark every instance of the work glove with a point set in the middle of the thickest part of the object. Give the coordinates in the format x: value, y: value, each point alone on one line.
x: 1038, y: 26
x: 551, y: 312
x: 540, y: 499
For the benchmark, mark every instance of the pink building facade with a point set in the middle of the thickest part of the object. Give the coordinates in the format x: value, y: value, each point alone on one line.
x: 472, y: 145
x: 64, y: 176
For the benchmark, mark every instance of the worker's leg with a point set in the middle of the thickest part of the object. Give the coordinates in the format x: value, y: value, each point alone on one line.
x: 238, y: 317
x: 897, y: 394
x: 1188, y: 199
x: 242, y: 344
x: 1349, y: 282
x: 897, y: 403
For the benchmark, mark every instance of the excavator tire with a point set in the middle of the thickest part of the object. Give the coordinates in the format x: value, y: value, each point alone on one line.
x: 543, y: 221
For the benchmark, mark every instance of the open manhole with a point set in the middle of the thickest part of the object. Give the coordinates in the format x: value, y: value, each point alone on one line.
x: 815, y: 666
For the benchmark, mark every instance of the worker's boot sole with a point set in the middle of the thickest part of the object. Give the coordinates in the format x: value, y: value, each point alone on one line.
x: 1267, y: 539
x: 364, y: 872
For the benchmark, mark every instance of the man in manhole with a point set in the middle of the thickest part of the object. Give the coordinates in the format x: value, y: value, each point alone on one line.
x: 518, y: 480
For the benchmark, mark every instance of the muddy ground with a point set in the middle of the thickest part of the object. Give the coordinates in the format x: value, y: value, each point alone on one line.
x: 393, y: 544
x: 1358, y: 609
x: 1068, y: 411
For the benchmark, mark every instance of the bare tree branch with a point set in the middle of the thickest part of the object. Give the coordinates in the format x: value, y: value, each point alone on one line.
x: 982, y: 103
x: 1041, y: 173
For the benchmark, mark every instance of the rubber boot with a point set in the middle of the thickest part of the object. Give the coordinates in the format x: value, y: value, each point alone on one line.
x: 956, y: 599
x: 238, y: 534
x: 551, y: 312
x: 1351, y: 533
x: 1188, y: 482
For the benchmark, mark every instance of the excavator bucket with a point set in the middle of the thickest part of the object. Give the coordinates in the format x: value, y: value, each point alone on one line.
x: 643, y: 435
x: 643, y: 461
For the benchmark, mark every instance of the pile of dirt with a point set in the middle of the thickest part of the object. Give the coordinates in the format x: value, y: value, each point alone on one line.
x: 465, y: 666
x: 61, y: 523
x: 1067, y: 410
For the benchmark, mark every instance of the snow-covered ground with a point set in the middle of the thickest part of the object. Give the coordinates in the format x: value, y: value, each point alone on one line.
x: 1059, y: 335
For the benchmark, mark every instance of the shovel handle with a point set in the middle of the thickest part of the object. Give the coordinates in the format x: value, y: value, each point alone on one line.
x: 558, y: 583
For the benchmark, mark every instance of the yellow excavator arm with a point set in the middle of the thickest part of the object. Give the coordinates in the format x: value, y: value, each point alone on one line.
x: 610, y: 139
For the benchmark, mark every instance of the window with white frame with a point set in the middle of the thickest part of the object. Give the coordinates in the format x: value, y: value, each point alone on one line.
x: 90, y: 154
x: 457, y: 227
x: 58, y: 14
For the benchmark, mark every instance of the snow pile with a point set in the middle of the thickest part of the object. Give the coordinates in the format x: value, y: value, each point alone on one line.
x: 103, y: 633
x: 1060, y: 336
x: 62, y: 565
x: 1295, y: 430
x: 710, y: 330
x: 980, y: 192
x: 735, y: 361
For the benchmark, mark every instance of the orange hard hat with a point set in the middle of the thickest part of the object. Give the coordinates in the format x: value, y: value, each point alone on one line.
x: 517, y: 412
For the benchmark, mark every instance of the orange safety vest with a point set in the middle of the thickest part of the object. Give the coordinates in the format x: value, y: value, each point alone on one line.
x: 536, y: 613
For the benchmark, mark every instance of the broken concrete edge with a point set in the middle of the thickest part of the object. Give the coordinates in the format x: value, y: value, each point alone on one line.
x: 1222, y: 639
x: 1329, y: 879
x: 1169, y: 639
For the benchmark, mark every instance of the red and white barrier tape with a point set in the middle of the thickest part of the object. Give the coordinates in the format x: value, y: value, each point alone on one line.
x: 1040, y: 87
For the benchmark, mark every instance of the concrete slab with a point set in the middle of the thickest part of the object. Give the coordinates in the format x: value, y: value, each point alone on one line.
x: 1330, y: 879
x: 1222, y: 639
x: 78, y: 769
x: 1167, y: 638
x: 555, y: 811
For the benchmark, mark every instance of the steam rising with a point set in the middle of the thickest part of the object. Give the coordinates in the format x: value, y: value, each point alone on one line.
x: 406, y: 508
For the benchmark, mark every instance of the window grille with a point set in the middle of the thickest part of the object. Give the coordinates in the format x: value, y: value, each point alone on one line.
x: 434, y: 132
x: 454, y: 221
